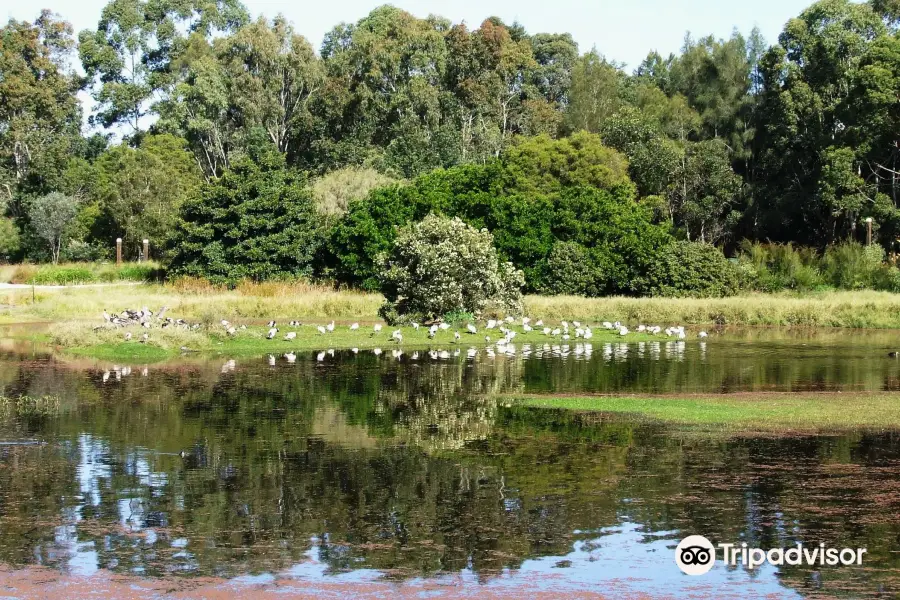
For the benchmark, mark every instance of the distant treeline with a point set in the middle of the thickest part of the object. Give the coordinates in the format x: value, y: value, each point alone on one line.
x: 730, y: 139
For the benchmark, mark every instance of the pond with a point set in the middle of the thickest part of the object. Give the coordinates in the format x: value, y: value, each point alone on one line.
x: 344, y: 469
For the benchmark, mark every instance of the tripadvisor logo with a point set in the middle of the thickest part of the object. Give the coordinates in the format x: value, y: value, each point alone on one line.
x: 695, y: 555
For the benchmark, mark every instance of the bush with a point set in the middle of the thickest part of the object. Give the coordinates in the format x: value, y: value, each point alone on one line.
x: 334, y: 191
x: 776, y: 267
x: 81, y: 251
x: 887, y: 278
x: 258, y: 221
x: 441, y: 266
x: 852, y: 266
x: 9, y: 239
x: 691, y: 269
x: 571, y: 270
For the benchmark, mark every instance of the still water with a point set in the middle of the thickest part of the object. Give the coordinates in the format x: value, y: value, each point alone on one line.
x: 347, y: 468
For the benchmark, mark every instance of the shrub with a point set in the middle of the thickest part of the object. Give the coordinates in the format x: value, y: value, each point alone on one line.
x: 441, y: 266
x: 258, y: 221
x: 887, y: 278
x: 334, y: 191
x: 571, y: 270
x: 691, y: 269
x: 775, y: 267
x: 852, y: 266
x: 9, y: 239
x: 81, y: 251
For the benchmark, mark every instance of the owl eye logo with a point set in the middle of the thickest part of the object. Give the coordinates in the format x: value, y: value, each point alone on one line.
x: 695, y: 555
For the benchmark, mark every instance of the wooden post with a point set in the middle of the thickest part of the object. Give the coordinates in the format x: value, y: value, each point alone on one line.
x: 146, y: 250
x: 118, y: 252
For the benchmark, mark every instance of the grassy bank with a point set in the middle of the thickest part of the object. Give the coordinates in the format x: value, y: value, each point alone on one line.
x: 856, y: 309
x: 81, y: 273
x: 775, y: 412
x: 194, y: 301
x: 84, y: 339
x: 285, y: 301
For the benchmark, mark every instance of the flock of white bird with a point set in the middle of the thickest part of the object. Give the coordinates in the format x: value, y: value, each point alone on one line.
x: 564, y: 330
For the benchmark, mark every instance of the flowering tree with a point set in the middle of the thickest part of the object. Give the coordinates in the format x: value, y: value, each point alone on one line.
x: 441, y: 265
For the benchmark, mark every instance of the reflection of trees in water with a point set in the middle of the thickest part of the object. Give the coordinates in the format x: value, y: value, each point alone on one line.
x: 362, y: 463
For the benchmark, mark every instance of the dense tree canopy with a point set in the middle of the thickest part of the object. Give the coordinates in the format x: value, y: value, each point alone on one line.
x: 397, y: 116
x: 258, y: 221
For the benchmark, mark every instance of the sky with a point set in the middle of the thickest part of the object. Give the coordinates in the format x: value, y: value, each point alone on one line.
x: 622, y: 30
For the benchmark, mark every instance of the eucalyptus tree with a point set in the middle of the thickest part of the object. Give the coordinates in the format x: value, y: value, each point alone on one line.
x: 40, y: 116
x: 806, y: 122
x: 262, y: 78
x: 127, y: 58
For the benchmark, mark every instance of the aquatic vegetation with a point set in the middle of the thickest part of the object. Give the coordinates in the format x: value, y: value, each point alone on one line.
x: 22, y: 405
x: 777, y: 412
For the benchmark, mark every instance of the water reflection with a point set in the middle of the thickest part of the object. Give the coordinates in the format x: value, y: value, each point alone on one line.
x: 395, y: 465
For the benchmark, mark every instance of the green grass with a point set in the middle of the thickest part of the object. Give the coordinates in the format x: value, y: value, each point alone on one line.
x: 776, y: 412
x: 82, y: 273
x: 121, y: 352
x: 84, y: 339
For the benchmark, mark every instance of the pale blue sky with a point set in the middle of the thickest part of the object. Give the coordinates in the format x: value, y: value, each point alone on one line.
x: 621, y: 30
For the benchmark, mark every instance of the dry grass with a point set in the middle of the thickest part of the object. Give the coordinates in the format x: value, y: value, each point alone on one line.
x: 857, y: 309
x: 196, y: 301
x: 200, y: 301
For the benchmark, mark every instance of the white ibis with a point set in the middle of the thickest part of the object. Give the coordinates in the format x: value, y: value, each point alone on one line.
x: 290, y: 336
x: 330, y: 327
x: 321, y: 329
x: 354, y: 327
x: 471, y: 328
x: 272, y: 333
